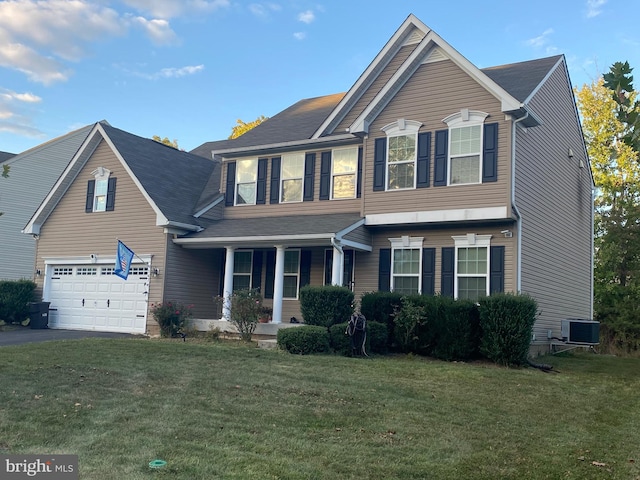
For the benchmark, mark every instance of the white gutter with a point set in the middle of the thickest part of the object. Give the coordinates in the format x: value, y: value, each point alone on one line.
x: 513, y: 202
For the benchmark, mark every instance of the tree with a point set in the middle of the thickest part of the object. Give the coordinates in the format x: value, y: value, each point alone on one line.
x: 166, y: 141
x: 609, y: 112
x: 243, y: 127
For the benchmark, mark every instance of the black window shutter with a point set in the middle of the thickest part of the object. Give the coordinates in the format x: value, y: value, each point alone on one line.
x: 91, y: 187
x: 309, y: 171
x: 230, y: 192
x: 111, y: 195
x: 428, y: 271
x: 496, y: 272
x: 269, y: 273
x: 379, y: 163
x: 490, y: 153
x: 359, y: 177
x: 424, y: 149
x: 261, y: 187
x: 221, y: 279
x: 448, y: 271
x: 384, y: 270
x: 256, y: 270
x: 305, y: 268
x: 274, y: 196
x: 440, y: 158
x: 328, y: 266
x: 325, y: 175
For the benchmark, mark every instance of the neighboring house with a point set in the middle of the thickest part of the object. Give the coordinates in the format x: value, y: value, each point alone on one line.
x: 31, y: 176
x: 428, y: 176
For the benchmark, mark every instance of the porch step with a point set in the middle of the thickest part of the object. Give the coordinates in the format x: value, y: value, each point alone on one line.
x: 268, y: 343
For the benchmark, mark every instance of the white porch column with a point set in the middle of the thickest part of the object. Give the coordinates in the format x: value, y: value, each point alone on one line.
x: 337, y: 266
x: 227, y: 289
x: 278, y: 285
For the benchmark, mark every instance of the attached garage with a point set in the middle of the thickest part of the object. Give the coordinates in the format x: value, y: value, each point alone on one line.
x: 91, y: 297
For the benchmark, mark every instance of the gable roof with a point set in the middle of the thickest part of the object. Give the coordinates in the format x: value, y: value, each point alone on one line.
x: 315, y: 120
x: 171, y: 180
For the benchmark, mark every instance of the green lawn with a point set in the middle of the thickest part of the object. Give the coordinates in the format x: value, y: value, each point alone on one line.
x: 229, y: 411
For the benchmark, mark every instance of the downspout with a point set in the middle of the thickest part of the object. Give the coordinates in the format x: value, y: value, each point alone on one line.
x: 513, y: 203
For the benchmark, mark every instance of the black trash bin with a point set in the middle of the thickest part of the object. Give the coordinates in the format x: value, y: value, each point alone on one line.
x: 39, y: 314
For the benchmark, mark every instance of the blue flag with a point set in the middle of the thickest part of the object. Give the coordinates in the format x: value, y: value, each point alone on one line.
x: 124, y: 256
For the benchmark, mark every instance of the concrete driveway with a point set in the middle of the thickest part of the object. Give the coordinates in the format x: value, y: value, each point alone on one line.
x: 27, y: 335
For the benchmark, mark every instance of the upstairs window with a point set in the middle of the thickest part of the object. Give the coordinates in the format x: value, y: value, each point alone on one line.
x: 101, y: 191
x: 246, y: 180
x: 344, y: 170
x: 291, y: 177
x: 402, y: 142
x: 465, y: 147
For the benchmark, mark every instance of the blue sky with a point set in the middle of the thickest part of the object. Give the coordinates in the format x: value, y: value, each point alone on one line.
x: 188, y: 69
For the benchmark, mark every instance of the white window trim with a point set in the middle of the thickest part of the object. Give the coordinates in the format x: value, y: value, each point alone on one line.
x: 100, y: 174
x: 401, y: 128
x: 237, y: 183
x: 250, y: 274
x: 297, y: 274
x: 283, y: 178
x: 466, y: 241
x: 407, y: 243
x: 355, y: 173
x: 465, y: 118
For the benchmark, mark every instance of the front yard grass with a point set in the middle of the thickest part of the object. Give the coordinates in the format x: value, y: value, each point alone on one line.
x: 229, y: 411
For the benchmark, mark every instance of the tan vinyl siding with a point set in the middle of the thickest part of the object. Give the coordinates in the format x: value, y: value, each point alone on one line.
x: 434, y: 92
x: 375, y: 87
x: 359, y: 235
x: 553, y: 195
x: 366, y: 264
x: 69, y: 231
x: 316, y: 207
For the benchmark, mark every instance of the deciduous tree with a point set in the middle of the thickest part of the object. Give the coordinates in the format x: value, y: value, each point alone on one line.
x: 243, y: 127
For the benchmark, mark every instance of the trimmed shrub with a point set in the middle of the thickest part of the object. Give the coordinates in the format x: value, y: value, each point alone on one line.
x: 325, y: 306
x: 339, y: 340
x: 376, y: 337
x: 458, y: 333
x: 304, y: 340
x: 15, y: 296
x: 171, y: 317
x: 409, y: 321
x: 376, y: 341
x: 380, y: 307
x: 507, y: 322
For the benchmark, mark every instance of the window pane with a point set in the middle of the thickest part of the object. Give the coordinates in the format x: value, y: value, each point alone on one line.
x: 402, y: 148
x: 400, y: 176
x: 241, y: 282
x: 472, y: 260
x: 344, y: 186
x: 293, y: 166
x: 246, y: 194
x: 290, y: 289
x: 465, y: 140
x: 242, y: 262
x: 100, y: 196
x: 472, y: 288
x: 406, y: 261
x: 246, y: 171
x: 291, y: 261
x: 345, y: 160
x: 465, y: 169
x: 292, y: 190
x: 405, y: 285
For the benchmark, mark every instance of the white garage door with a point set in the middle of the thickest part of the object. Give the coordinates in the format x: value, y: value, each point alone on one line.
x: 91, y: 297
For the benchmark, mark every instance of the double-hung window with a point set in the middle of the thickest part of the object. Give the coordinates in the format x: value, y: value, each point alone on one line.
x: 406, y: 260
x: 472, y: 266
x: 291, y: 274
x: 291, y: 178
x: 246, y: 180
x: 465, y: 147
x: 242, y: 262
x: 101, y: 191
x: 344, y: 170
x: 402, y: 143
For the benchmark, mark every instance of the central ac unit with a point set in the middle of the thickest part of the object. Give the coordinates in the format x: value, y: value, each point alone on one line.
x: 575, y: 330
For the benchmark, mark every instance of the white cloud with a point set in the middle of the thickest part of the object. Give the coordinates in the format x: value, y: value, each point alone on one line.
x: 594, y: 7
x: 540, y: 40
x: 174, y: 8
x: 21, y: 97
x: 159, y: 31
x: 299, y: 35
x: 169, y: 72
x: 306, y: 17
x: 14, y: 114
x: 264, y: 9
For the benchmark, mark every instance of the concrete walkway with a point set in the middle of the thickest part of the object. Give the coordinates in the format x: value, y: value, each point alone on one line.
x: 23, y: 335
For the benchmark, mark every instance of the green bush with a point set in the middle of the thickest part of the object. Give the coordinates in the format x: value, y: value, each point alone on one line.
x: 15, y: 296
x: 325, y: 306
x: 380, y: 307
x: 171, y: 317
x: 246, y: 309
x: 458, y: 332
x: 376, y: 341
x: 507, y: 322
x: 304, y: 340
x: 409, y: 321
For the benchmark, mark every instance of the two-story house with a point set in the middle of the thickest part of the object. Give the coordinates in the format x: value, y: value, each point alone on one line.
x: 428, y: 176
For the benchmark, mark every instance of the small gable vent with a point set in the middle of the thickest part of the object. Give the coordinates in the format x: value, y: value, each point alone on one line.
x: 414, y: 37
x: 435, y: 55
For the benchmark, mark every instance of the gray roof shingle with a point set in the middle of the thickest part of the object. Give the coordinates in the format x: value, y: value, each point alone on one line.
x: 4, y: 156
